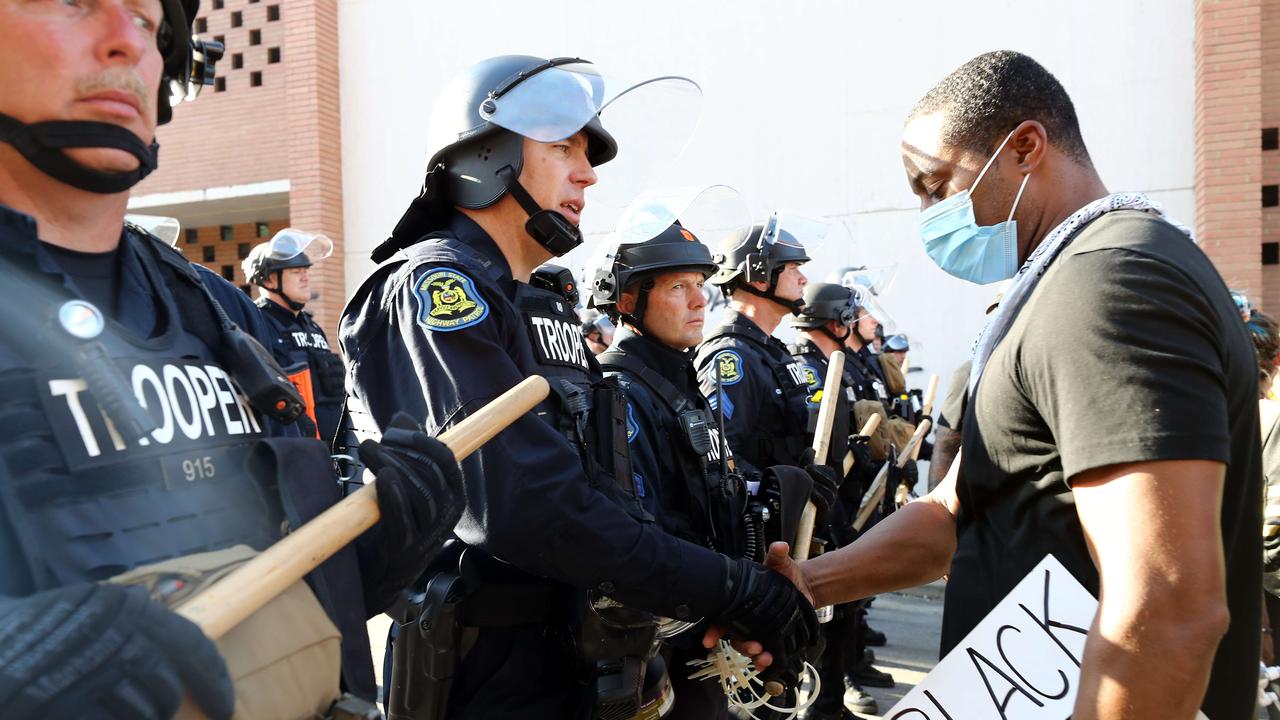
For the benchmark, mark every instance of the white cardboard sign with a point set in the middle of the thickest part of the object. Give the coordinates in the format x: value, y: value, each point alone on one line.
x: 1022, y: 662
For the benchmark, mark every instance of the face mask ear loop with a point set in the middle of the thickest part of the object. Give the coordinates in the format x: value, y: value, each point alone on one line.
x: 992, y: 159
x: 1018, y: 197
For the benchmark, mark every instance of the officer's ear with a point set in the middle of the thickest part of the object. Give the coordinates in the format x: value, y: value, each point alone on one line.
x: 627, y: 300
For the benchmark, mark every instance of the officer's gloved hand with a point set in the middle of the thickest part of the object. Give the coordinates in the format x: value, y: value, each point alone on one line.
x: 766, y: 607
x: 826, y: 483
x: 419, y: 488
x: 105, y: 651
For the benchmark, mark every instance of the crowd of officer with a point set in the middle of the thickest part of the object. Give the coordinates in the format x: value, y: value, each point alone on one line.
x: 159, y: 428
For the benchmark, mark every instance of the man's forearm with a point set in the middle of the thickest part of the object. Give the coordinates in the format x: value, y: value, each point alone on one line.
x: 911, y: 547
x: 946, y: 443
x: 1147, y: 666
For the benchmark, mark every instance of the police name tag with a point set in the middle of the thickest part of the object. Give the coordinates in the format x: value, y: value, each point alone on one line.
x: 1022, y: 662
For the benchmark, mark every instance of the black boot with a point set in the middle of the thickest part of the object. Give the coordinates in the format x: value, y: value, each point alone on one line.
x: 859, y: 701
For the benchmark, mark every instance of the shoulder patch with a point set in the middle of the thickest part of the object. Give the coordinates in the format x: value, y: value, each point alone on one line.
x: 633, y: 428
x: 448, y: 301
x: 729, y: 364
x: 810, y: 375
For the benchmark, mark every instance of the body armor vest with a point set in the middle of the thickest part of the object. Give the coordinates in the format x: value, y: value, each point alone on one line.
x: 84, y: 500
x: 695, y: 442
x: 785, y: 449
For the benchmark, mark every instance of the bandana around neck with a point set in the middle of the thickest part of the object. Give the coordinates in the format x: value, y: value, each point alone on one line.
x: 1028, y: 276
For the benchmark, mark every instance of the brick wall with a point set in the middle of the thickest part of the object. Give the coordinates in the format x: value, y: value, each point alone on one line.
x: 210, y: 247
x: 274, y: 114
x: 1271, y: 157
x: 314, y: 143
x: 1228, y: 106
x: 233, y: 136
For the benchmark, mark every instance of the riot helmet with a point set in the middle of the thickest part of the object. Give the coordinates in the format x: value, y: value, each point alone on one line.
x: 868, y: 285
x: 475, y: 141
x: 662, y: 232
x: 896, y: 344
x: 762, y: 255
x: 289, y: 248
x: 824, y: 302
x: 188, y: 66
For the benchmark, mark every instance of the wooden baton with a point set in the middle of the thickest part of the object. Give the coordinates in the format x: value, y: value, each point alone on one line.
x: 872, y: 497
x: 821, y: 443
x: 254, y: 584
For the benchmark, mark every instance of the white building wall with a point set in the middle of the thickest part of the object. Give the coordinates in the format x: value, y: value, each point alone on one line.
x: 803, y: 107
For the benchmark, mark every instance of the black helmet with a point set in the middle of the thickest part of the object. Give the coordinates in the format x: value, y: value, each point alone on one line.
x: 188, y: 65
x: 674, y: 249
x: 824, y: 302
x: 289, y: 248
x: 475, y: 141
x: 760, y: 257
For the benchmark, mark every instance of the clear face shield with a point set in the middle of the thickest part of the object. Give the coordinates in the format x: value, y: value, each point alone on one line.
x: 652, y: 121
x: 709, y: 214
x: 291, y: 242
x: 166, y: 228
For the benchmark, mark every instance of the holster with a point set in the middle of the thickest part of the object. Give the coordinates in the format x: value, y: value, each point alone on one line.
x: 426, y: 649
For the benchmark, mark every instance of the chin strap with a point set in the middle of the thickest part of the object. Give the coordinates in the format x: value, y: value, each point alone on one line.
x: 549, y: 228
x: 279, y: 290
x: 838, y: 340
x: 43, y: 145
x: 795, y: 307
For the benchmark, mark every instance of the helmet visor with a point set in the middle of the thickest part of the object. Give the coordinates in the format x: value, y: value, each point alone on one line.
x: 869, y: 302
x: 165, y: 228
x: 290, y: 243
x: 653, y: 122
x: 794, y: 234
x: 877, y: 279
x: 549, y: 105
x: 711, y: 214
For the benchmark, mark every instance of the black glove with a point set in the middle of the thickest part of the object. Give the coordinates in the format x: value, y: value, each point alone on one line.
x: 419, y: 489
x: 764, y: 606
x: 826, y: 483
x: 105, y: 651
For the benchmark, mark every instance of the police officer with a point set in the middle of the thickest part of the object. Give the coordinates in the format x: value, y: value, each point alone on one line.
x: 763, y: 389
x: 281, y: 270
x: 555, y: 535
x: 653, y: 287
x: 132, y: 418
x: 824, y: 323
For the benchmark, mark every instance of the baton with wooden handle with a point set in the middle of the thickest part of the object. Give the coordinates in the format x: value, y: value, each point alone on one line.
x: 873, y: 424
x: 821, y: 443
x: 872, y: 497
x: 255, y: 583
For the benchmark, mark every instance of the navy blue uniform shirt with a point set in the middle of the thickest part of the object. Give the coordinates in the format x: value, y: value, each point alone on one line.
x: 435, y: 333
x: 765, y: 410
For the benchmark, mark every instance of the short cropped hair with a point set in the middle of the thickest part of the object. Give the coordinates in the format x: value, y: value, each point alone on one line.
x: 1266, y: 341
x: 985, y: 99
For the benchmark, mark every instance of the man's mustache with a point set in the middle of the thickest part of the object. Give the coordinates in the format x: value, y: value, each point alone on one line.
x: 117, y: 79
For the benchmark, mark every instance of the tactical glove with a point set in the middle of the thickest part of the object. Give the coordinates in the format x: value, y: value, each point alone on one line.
x: 766, y: 607
x: 826, y: 483
x: 105, y: 651
x: 419, y: 494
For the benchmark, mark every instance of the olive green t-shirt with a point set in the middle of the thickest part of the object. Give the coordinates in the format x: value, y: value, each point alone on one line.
x: 1130, y: 349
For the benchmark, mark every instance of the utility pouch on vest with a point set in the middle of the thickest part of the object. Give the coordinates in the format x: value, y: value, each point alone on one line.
x: 612, y: 453
x: 284, y: 659
x: 329, y: 374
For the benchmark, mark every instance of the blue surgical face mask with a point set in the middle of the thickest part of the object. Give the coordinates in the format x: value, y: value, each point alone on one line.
x: 960, y: 246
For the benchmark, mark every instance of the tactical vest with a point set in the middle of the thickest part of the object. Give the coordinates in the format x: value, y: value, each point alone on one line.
x: 696, y: 444
x: 85, y: 501
x: 787, y: 374
x: 842, y: 422
x: 312, y: 367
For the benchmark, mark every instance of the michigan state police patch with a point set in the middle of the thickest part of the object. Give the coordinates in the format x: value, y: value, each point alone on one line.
x: 448, y: 300
x: 729, y: 364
